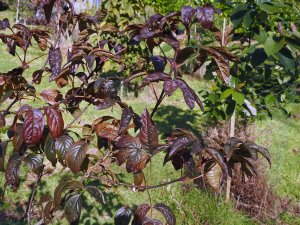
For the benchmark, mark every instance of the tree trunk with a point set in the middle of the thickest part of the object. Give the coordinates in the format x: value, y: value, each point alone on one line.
x: 17, y: 13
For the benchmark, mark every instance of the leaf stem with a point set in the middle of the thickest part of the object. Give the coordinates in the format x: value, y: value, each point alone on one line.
x: 161, y: 97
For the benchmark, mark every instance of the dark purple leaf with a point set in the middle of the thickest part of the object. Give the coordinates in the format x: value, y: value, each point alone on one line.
x: 155, y: 77
x: 96, y: 193
x: 172, y: 41
x: 2, y: 120
x: 170, y: 86
x: 179, y: 144
x: 187, y: 13
x: 50, y: 150
x: 189, y: 95
x: 76, y: 155
x: 158, y: 63
x: 184, y: 54
x: 148, y: 135
x: 123, y: 216
x: 12, y: 171
x: 218, y: 157
x: 55, y: 59
x: 73, y: 208
x: 33, y: 126
x: 205, y: 16
x: 34, y: 162
x: 61, y: 146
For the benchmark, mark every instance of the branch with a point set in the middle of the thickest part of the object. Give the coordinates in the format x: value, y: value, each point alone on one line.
x: 32, y: 195
x: 77, y: 117
x: 181, y: 179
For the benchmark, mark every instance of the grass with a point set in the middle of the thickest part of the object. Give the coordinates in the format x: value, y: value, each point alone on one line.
x: 191, y: 206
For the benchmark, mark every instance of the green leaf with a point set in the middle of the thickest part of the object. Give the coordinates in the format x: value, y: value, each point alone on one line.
x: 225, y: 94
x: 238, y: 97
x: 238, y: 14
x: 247, y: 20
x: 273, y: 44
x: 73, y: 208
x: 261, y: 37
x: 286, y: 58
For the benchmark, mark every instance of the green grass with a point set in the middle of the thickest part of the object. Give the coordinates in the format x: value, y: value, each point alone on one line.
x: 281, y: 136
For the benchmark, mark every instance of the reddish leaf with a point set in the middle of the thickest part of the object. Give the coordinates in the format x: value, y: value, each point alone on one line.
x: 140, y: 213
x: 223, y: 69
x: 167, y: 212
x: 33, y: 126
x: 138, y: 178
x: 155, y: 77
x: 18, y: 137
x: 52, y: 96
x: 148, y: 135
x: 55, y: 59
x: 127, y: 115
x: 55, y: 121
x: 130, y: 142
x: 107, y: 130
x: 134, y: 157
x: 13, y: 170
x: 76, y: 155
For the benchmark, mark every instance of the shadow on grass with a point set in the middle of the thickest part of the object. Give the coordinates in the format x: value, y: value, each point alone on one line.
x: 168, y: 117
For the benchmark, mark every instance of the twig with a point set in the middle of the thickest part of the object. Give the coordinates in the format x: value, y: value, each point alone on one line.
x: 181, y: 179
x: 77, y: 117
x: 161, y: 97
x: 33, y: 194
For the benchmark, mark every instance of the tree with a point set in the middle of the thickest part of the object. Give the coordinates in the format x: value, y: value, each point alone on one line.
x: 40, y: 133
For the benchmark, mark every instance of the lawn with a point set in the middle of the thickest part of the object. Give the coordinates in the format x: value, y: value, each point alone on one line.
x: 190, y: 205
